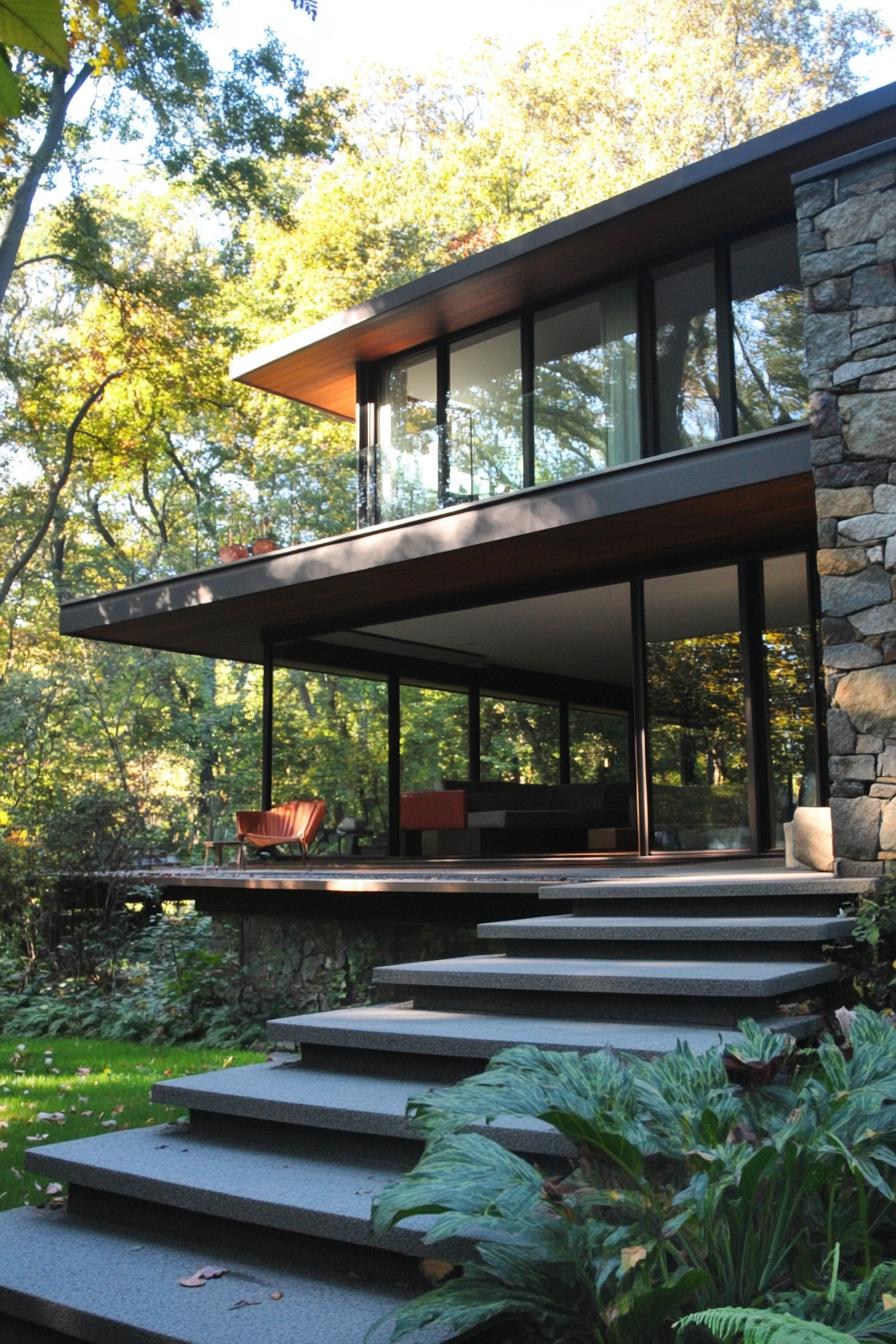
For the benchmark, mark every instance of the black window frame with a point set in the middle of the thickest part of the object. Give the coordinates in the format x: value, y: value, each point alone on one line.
x: 371, y: 376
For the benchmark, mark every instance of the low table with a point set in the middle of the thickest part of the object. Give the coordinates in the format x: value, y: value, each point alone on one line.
x: 219, y: 847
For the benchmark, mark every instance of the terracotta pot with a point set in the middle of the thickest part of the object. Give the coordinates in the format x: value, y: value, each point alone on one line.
x: 262, y: 545
x: 234, y: 550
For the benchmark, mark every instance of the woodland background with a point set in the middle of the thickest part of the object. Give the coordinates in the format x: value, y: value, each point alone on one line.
x: 163, y: 215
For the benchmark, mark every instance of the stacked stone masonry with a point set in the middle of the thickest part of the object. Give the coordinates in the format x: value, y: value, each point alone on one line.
x: 847, y: 236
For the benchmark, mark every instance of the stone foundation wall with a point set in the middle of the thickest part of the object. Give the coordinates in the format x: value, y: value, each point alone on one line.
x: 846, y: 214
x: 293, y: 964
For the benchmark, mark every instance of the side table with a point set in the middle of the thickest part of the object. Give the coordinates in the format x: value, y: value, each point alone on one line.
x: 219, y: 846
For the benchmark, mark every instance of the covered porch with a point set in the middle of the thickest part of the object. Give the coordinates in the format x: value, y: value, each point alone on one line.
x: 644, y: 634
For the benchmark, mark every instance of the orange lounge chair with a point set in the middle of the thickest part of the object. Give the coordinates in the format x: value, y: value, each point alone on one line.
x: 294, y: 823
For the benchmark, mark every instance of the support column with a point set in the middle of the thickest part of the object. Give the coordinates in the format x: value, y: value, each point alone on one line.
x: 846, y: 213
x: 267, y: 727
x: 394, y: 765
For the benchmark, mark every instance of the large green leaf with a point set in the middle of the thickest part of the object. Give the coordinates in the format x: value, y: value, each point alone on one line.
x: 10, y: 95
x: 35, y: 25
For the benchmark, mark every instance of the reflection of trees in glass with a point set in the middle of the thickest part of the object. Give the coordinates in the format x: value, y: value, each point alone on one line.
x: 434, y: 737
x: 598, y: 746
x: 407, y: 452
x: 791, y: 721
x: 485, y: 439
x: 519, y: 741
x: 688, y: 374
x: 769, y: 359
x: 697, y: 742
x: 586, y: 410
x: 331, y: 742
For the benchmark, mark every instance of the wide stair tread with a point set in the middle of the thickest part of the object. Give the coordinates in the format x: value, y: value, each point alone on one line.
x: 352, y: 1102
x: 605, y: 976
x: 92, y: 1280
x: 402, y: 1027
x: 674, y: 928
x: 738, y: 886
x: 321, y: 1184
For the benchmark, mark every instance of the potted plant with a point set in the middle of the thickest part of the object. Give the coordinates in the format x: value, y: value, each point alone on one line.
x: 266, y: 541
x: 232, y: 550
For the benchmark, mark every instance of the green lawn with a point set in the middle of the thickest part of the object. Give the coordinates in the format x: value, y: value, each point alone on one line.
x: 86, y: 1087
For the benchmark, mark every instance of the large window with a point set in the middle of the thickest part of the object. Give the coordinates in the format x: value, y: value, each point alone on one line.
x: 407, y: 477
x: 484, y: 416
x: 557, y: 391
x: 435, y: 743
x: 767, y: 330
x: 787, y: 644
x: 687, y: 369
x: 586, y: 384
x: 520, y: 740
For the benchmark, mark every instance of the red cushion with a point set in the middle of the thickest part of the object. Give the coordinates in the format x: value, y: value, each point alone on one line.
x: 434, y: 810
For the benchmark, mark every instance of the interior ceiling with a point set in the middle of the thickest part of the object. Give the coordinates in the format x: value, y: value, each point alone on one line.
x: 584, y: 634
x: 587, y: 633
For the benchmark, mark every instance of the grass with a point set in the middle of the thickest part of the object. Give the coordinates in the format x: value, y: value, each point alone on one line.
x: 86, y: 1087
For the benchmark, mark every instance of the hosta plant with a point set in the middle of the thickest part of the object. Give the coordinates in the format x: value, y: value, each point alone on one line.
x: 682, y: 1188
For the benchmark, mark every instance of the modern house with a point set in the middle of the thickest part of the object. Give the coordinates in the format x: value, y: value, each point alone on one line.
x: 587, y: 486
x: 617, y: 471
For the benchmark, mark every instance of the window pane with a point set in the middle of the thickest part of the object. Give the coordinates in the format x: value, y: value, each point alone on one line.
x: 586, y: 384
x: 767, y: 318
x: 519, y: 741
x: 407, y: 448
x: 434, y: 737
x: 695, y: 708
x: 331, y: 742
x: 485, y: 416
x: 687, y: 363
x: 787, y: 639
x: 598, y: 746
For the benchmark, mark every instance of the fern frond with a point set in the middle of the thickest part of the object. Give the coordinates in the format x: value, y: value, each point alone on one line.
x: 760, y: 1326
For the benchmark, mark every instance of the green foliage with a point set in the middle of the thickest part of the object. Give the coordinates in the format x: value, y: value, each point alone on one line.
x: 871, y: 957
x: 756, y: 1326
x: 682, y: 1181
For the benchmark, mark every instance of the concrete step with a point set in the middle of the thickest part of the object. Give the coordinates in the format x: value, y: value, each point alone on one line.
x: 400, y: 1027
x: 351, y: 1102
x: 305, y: 1181
x: 744, y: 894
x: 595, y: 975
x: 70, y: 1277
x: 790, y: 937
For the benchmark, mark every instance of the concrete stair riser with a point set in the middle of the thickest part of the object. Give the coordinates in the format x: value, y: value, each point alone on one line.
x: 673, y: 928
x: 620, y: 951
x: 683, y: 1012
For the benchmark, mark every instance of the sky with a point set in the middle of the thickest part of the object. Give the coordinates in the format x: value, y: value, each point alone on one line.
x: 346, y: 33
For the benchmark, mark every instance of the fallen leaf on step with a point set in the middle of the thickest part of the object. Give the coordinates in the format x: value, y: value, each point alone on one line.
x: 276, y: 1297
x: 210, y: 1272
x: 434, y: 1271
x: 243, y: 1302
x: 192, y: 1281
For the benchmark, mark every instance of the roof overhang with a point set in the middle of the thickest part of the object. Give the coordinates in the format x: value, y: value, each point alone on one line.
x: 737, y: 189
x: 742, y: 496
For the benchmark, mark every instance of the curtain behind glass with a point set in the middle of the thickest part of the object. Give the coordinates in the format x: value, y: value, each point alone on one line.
x: 586, y: 384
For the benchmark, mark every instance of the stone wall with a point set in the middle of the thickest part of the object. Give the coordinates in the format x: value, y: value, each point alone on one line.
x: 846, y: 215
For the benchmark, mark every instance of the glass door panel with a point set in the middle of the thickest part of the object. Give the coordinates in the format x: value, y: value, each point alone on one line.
x: 485, y: 416
x: 696, y: 720
x: 787, y: 644
x: 520, y: 740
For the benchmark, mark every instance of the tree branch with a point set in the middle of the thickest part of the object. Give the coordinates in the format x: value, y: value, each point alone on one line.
x: 23, y: 200
x: 43, y: 527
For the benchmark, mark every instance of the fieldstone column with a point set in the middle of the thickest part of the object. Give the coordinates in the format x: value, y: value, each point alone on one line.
x: 846, y: 212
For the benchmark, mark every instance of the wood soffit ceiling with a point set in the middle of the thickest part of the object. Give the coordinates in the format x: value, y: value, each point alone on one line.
x: 737, y: 189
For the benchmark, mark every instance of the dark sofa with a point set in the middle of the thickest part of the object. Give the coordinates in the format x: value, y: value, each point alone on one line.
x: 502, y: 817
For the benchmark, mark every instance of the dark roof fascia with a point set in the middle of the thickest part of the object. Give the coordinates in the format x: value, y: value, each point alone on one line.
x: 875, y: 151
x: 647, y: 195
x: 127, y: 615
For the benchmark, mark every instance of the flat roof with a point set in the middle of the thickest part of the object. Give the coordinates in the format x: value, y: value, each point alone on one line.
x: 735, y: 190
x: 753, y: 493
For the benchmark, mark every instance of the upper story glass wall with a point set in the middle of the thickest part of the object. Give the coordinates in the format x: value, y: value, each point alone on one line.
x: 694, y: 351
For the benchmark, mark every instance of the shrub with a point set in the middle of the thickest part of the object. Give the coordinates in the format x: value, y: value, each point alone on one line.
x: 684, y: 1188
